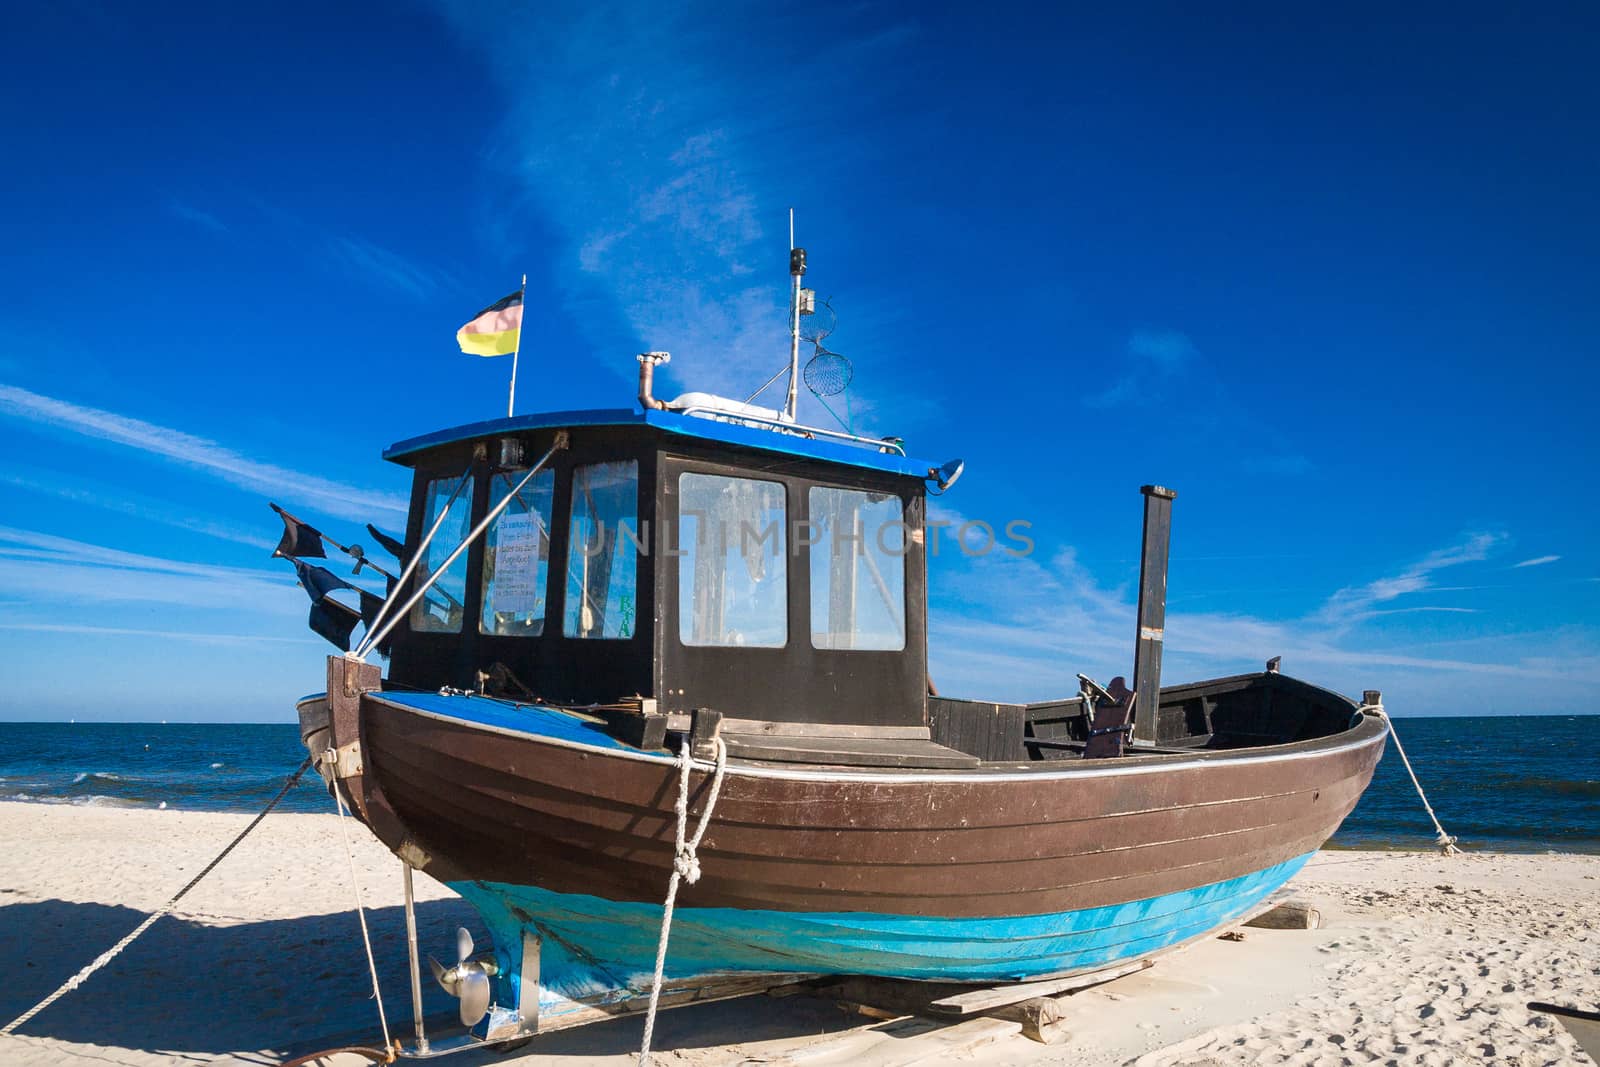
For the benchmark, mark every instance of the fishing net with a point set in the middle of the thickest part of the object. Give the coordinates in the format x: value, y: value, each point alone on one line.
x: 818, y: 324
x: 828, y: 373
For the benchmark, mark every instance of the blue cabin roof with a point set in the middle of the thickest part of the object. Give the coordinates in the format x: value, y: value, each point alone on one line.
x: 671, y: 422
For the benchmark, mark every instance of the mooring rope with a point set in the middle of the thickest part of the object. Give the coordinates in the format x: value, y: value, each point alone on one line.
x: 361, y: 915
x: 1446, y: 843
x: 115, y: 950
x: 685, y: 867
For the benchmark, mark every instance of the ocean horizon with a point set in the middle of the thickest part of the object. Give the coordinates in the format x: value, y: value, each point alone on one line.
x: 1514, y: 783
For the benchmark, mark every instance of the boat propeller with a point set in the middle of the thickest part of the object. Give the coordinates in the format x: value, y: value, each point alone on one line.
x: 468, y: 980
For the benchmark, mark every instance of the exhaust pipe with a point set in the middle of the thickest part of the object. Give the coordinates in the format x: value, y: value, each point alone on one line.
x: 647, y: 377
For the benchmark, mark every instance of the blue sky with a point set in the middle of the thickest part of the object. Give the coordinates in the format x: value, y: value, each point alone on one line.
x: 1328, y: 273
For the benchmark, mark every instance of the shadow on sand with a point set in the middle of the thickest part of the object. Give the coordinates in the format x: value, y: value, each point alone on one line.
x: 288, y: 986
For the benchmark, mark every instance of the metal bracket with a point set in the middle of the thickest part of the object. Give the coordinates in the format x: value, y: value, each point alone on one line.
x: 505, y: 1024
x: 413, y: 855
x: 347, y: 760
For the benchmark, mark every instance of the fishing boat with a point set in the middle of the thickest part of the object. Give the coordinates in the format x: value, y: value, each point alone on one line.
x: 657, y: 704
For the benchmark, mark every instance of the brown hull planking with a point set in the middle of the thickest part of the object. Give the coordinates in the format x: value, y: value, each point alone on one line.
x: 1050, y: 837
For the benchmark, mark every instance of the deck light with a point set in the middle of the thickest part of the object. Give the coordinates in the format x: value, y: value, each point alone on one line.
x: 944, y: 477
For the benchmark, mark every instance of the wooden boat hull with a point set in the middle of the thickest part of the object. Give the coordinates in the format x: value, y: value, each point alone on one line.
x: 554, y: 830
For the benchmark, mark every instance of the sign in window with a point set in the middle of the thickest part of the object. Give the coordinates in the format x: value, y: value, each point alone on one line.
x: 516, y: 556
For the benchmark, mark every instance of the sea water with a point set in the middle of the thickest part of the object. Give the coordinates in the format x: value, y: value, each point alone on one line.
x: 1509, y: 783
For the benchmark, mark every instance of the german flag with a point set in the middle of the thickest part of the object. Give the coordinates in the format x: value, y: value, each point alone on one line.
x: 494, y: 330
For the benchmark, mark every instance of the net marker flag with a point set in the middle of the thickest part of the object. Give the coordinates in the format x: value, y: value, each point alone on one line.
x: 495, y: 330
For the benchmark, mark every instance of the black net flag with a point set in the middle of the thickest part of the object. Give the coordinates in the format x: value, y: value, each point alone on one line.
x: 318, y: 581
x: 299, y: 539
x: 390, y: 545
x: 335, y: 621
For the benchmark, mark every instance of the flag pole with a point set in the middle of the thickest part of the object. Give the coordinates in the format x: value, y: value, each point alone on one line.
x: 511, y: 401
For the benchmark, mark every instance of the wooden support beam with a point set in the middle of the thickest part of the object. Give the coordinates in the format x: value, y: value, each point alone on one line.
x: 1152, y: 611
x: 1290, y: 915
x: 1037, y: 1006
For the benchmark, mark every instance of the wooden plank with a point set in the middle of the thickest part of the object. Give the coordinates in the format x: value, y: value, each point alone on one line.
x: 1290, y: 915
x: 988, y: 998
x: 846, y: 751
x: 821, y: 729
x: 671, y: 997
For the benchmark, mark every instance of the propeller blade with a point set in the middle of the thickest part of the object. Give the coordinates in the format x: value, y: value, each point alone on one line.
x: 474, y: 995
x: 463, y: 945
x: 438, y: 975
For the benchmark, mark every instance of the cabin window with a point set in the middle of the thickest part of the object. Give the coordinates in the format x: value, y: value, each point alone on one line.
x: 602, y: 553
x: 441, y: 609
x: 733, y: 568
x: 516, y: 556
x: 858, y: 570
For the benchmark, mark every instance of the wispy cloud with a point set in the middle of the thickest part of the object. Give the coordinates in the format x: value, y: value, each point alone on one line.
x: 1020, y: 629
x: 34, y: 544
x: 189, y: 213
x: 1153, y: 357
x: 373, y: 262
x: 1537, y: 561
x: 44, y: 569
x: 147, y: 510
x: 198, y: 636
x: 1351, y: 604
x: 1166, y: 349
x: 198, y: 453
x: 356, y: 257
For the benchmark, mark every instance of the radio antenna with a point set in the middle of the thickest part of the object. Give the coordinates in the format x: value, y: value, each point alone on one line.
x: 797, y: 271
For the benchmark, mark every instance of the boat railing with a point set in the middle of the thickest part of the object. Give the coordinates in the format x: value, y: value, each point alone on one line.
x: 880, y: 444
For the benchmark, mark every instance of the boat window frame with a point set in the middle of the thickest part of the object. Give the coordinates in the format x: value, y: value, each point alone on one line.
x: 463, y: 508
x: 798, y: 683
x: 619, y: 543
x: 783, y: 555
x: 867, y: 542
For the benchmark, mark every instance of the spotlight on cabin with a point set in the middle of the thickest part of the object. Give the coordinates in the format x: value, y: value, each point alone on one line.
x: 944, y: 477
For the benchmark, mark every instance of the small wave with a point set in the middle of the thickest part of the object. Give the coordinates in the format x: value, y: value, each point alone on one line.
x: 91, y: 800
x: 1565, y: 786
x: 214, y: 766
x: 99, y: 776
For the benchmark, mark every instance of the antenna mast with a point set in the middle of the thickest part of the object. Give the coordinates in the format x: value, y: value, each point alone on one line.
x: 797, y: 270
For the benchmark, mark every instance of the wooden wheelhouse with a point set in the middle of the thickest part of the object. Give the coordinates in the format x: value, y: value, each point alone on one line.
x: 662, y: 557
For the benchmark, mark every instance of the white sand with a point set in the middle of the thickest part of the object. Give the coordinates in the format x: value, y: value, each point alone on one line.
x: 1421, y: 960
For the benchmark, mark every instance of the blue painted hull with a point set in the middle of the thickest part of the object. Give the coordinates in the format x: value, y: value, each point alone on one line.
x: 597, y: 951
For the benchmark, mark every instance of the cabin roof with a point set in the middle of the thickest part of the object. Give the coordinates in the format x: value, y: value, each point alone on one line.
x: 408, y: 451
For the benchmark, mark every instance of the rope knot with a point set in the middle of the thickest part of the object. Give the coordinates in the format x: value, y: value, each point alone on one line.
x: 687, y: 864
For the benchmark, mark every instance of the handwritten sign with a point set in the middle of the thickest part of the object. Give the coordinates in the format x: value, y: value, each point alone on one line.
x: 516, y: 579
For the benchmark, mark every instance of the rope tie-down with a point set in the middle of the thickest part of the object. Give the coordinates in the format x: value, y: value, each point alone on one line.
x: 1446, y: 843
x: 685, y: 868
x: 116, y: 950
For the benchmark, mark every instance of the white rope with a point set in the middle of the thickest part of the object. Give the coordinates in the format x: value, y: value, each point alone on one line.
x: 1446, y: 843
x: 355, y: 883
x: 115, y: 950
x: 685, y: 867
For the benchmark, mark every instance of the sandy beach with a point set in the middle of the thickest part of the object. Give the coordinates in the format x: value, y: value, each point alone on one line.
x: 1421, y: 959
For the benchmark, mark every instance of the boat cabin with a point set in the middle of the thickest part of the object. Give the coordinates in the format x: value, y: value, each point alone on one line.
x: 770, y: 573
